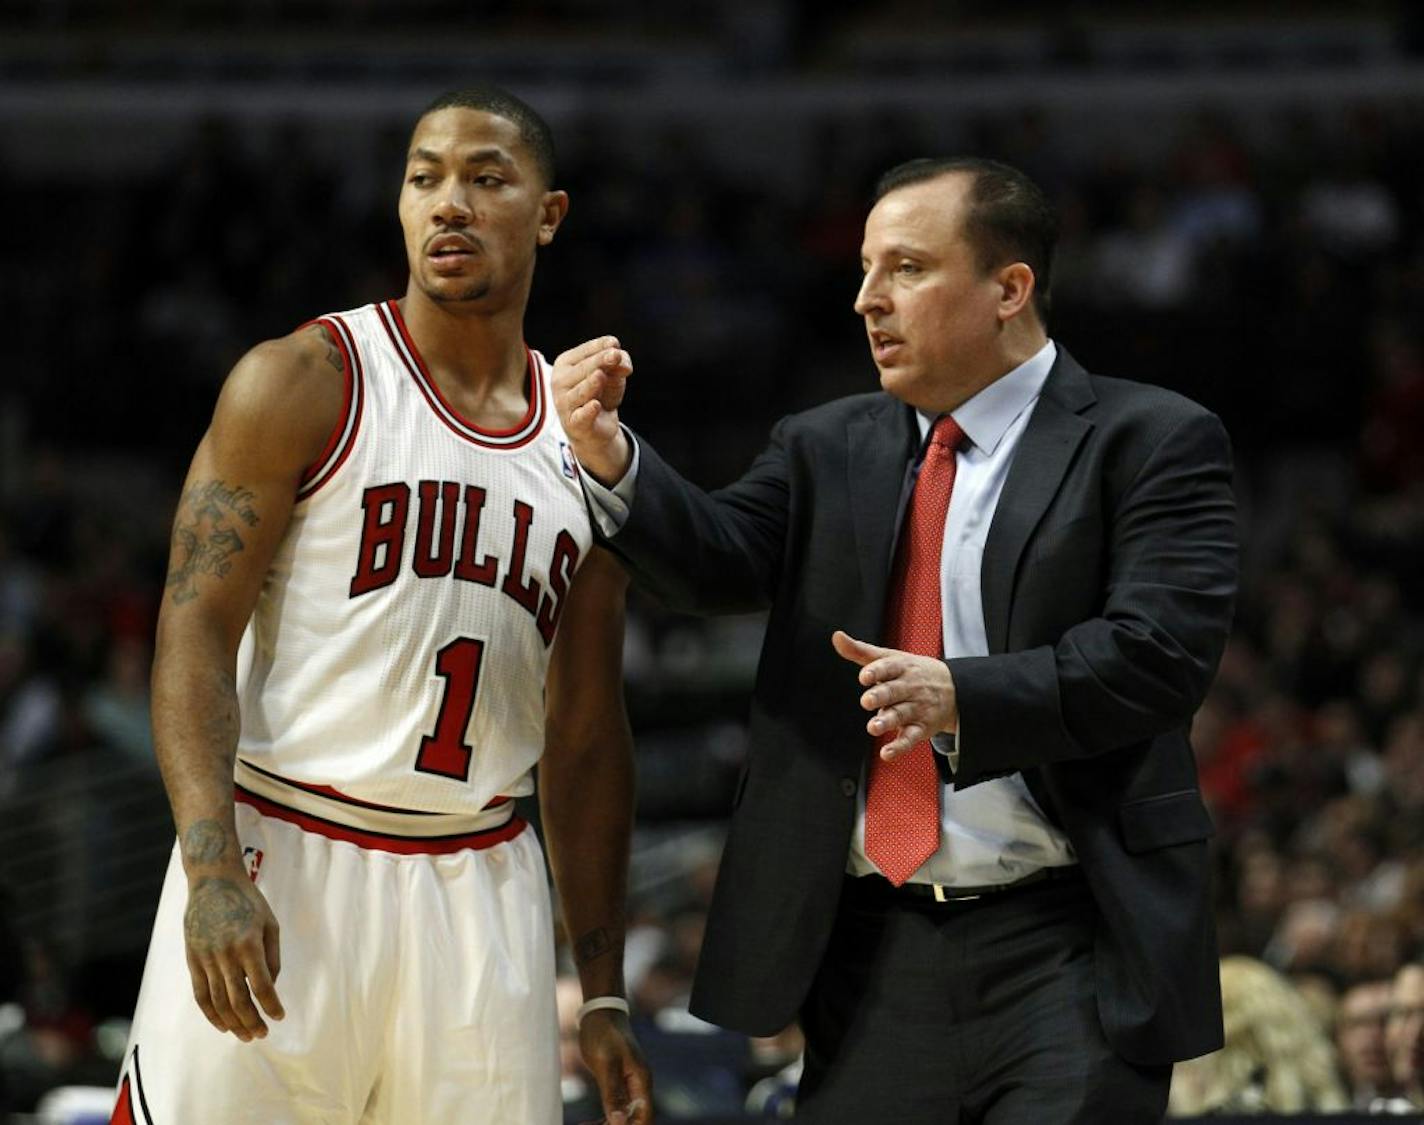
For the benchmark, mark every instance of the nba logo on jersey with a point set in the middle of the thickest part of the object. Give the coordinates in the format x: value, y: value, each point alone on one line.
x: 566, y: 455
x: 252, y: 860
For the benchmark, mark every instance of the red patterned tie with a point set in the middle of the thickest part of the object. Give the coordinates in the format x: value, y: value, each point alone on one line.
x: 902, y: 797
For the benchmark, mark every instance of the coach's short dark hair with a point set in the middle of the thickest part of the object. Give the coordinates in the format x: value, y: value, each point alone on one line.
x: 1008, y: 218
x: 533, y: 130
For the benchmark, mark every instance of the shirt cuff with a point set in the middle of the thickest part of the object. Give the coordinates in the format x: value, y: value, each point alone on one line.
x: 948, y: 745
x: 609, y: 506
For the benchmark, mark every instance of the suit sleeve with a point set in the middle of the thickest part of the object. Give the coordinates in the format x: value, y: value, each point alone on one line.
x: 708, y: 552
x: 1142, y: 667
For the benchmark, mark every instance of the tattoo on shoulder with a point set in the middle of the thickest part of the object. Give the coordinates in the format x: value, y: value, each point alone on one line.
x: 333, y: 353
x: 205, y: 841
x: 206, y: 534
x: 218, y: 913
x: 592, y: 945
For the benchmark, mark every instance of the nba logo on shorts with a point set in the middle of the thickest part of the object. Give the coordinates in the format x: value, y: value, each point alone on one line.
x: 252, y: 860
x: 567, y: 456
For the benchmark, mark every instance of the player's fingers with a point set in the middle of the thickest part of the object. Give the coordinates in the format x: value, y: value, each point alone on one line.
x: 202, y: 993
x: 244, y: 1011
x: 222, y: 1003
x: 640, y: 1093
x: 259, y: 979
x: 272, y: 949
x: 613, y: 1091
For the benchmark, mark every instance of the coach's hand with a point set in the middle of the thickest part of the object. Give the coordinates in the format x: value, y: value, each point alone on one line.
x: 589, y: 384
x: 233, y: 952
x: 912, y: 696
x: 614, y: 1059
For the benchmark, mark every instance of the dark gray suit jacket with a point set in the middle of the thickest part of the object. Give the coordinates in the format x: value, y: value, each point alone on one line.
x: 1108, y: 580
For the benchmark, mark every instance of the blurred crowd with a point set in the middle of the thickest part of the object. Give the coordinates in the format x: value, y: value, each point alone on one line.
x: 1273, y: 270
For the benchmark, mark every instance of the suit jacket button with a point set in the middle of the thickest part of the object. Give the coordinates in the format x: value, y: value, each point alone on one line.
x: 848, y: 786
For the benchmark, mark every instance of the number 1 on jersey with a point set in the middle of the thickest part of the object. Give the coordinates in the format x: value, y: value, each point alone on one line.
x: 446, y: 752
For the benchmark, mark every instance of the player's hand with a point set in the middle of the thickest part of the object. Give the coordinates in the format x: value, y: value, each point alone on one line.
x: 589, y: 383
x: 233, y: 952
x: 614, y: 1059
x: 912, y: 697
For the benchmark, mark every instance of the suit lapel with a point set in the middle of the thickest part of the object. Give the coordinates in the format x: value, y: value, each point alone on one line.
x: 1045, y: 451
x: 881, y: 444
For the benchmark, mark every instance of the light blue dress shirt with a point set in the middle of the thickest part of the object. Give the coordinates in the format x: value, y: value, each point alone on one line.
x: 993, y: 832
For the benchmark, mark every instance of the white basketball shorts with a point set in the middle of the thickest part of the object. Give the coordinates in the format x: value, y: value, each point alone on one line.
x: 417, y: 976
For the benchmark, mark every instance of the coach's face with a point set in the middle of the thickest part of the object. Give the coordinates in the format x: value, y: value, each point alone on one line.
x: 474, y: 207
x: 933, y: 317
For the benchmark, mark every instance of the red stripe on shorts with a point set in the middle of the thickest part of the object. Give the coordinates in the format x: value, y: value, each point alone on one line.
x: 382, y: 841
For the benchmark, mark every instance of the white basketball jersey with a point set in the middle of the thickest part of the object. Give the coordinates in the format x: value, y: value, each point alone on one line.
x: 399, y: 647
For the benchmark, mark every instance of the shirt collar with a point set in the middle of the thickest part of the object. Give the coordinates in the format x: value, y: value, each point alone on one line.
x: 987, y: 416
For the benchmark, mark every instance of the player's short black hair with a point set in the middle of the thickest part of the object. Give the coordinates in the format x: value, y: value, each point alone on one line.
x: 1009, y: 219
x: 533, y: 130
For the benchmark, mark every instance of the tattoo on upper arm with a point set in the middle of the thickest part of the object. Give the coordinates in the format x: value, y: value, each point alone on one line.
x: 206, y: 535
x: 333, y: 353
x: 592, y: 945
x: 205, y: 841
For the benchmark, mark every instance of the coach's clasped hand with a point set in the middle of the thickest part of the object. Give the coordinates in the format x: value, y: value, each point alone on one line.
x: 912, y: 696
x: 589, y: 382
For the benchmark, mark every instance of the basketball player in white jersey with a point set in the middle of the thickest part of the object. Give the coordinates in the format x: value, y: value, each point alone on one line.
x: 382, y: 609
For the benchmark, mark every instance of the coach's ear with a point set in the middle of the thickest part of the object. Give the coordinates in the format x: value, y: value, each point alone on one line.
x: 555, y: 207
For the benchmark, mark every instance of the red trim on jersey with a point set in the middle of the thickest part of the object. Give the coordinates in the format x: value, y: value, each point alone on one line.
x: 123, y: 1110
x: 347, y: 379
x: 350, y: 418
x: 513, y: 438
x: 383, y: 841
x: 337, y: 795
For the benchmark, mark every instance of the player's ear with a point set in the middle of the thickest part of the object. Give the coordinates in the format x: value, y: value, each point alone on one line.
x: 554, y: 207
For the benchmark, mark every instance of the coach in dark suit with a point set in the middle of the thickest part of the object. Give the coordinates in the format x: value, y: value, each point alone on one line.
x: 968, y: 852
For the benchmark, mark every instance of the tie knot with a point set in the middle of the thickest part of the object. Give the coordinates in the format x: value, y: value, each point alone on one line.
x: 947, y: 433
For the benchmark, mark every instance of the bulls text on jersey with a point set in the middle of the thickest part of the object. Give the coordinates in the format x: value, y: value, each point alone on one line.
x: 386, y: 515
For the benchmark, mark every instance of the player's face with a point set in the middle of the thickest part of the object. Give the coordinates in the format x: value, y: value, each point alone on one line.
x: 474, y: 208
x: 930, y: 313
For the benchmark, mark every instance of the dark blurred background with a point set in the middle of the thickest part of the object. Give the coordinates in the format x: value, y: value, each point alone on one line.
x: 1241, y: 189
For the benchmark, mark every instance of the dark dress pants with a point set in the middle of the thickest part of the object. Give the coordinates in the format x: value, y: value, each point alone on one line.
x: 980, y: 1012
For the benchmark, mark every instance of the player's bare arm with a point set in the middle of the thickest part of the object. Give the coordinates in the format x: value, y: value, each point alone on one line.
x: 589, y: 383
x: 586, y: 798
x: 274, y: 414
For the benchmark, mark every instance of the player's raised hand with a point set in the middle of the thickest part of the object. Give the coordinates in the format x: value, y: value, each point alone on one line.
x: 912, y: 696
x: 233, y: 952
x: 613, y: 1057
x: 589, y: 383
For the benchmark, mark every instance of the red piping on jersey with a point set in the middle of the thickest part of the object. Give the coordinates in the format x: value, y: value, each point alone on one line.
x: 355, y: 387
x: 533, y: 420
x: 123, y: 1109
x: 335, y: 794
x: 383, y: 841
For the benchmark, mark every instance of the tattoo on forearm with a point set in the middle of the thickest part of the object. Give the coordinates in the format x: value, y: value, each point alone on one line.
x: 204, y: 535
x: 592, y: 945
x: 221, y: 721
x: 205, y: 841
x: 217, y: 913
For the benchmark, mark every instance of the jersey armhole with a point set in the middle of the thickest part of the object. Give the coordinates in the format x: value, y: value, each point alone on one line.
x: 343, y: 435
